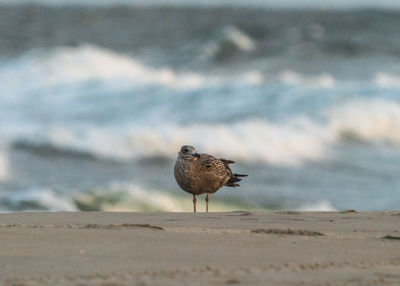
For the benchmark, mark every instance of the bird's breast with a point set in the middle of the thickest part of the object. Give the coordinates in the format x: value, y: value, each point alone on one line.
x: 183, y: 176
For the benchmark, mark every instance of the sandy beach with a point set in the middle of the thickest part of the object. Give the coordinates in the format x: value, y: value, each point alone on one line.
x: 246, y: 248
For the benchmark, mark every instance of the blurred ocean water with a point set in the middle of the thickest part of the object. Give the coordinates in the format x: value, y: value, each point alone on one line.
x: 96, y: 101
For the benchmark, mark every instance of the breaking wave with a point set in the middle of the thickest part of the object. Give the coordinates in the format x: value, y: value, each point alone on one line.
x: 4, y: 168
x: 127, y: 197
x: 230, y: 42
x: 372, y: 121
x: 131, y: 197
x: 254, y: 140
x: 73, y: 66
x: 57, y: 124
x: 116, y: 197
x: 69, y: 71
x: 64, y: 74
x: 320, y: 81
x: 387, y: 80
x: 35, y: 199
x: 321, y: 206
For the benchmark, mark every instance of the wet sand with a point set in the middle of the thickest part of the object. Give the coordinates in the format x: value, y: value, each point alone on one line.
x: 237, y: 248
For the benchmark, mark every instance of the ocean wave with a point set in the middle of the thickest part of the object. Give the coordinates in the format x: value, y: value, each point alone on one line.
x: 128, y: 197
x: 372, y: 121
x: 323, y: 80
x: 69, y: 72
x: 387, y: 80
x: 47, y: 149
x: 76, y: 66
x: 252, y: 140
x: 35, y: 199
x: 4, y: 166
x: 291, y: 143
x: 320, y: 206
x: 229, y: 43
x: 121, y: 196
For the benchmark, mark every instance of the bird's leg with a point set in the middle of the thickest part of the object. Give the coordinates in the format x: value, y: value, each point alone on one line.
x: 207, y: 199
x: 194, y: 203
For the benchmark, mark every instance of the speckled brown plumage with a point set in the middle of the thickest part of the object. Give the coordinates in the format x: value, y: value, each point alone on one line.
x: 202, y: 173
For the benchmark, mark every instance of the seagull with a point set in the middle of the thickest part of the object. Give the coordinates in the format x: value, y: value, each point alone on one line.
x: 202, y: 173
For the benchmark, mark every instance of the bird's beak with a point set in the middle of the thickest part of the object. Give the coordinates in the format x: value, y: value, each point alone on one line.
x: 197, y: 155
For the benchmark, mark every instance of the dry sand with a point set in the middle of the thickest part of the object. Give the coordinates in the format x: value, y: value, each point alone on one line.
x: 246, y: 248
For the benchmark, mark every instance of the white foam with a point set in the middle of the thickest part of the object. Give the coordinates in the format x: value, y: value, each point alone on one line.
x: 67, y: 71
x: 230, y: 37
x: 119, y: 196
x: 4, y: 166
x: 368, y: 120
x: 252, y: 140
x: 290, y: 143
x: 126, y: 196
x: 320, y: 206
x: 79, y: 65
x: 251, y: 77
x: 45, y: 198
x: 130, y: 197
x: 323, y: 80
x: 387, y: 80
x: 239, y: 38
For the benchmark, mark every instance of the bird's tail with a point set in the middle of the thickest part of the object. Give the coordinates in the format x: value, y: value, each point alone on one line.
x: 234, y: 179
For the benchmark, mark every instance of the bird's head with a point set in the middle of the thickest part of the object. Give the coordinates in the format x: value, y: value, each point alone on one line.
x: 188, y: 153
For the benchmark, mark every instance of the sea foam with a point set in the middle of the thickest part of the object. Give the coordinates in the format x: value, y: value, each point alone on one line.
x: 35, y: 199
x: 118, y: 196
x: 323, y: 80
x: 76, y: 65
x: 128, y: 196
x: 320, y: 206
x: 387, y: 80
x: 62, y: 73
x: 252, y: 140
x: 230, y: 41
x: 4, y: 166
x: 69, y: 71
x: 373, y: 121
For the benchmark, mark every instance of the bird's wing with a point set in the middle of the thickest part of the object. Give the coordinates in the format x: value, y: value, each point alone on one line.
x: 211, y: 165
x: 234, y: 178
x: 214, y: 173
